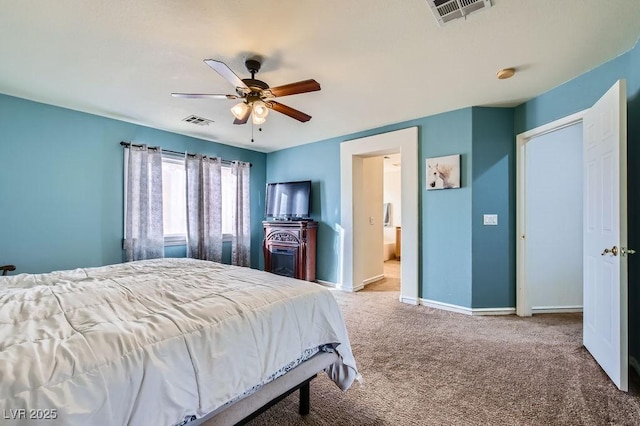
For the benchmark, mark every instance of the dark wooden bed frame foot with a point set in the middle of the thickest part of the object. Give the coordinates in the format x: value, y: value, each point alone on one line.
x: 304, y: 401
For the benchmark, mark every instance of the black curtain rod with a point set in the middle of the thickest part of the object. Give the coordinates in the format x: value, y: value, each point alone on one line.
x: 128, y: 144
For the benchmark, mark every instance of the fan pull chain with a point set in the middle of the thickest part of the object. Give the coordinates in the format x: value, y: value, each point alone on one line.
x: 252, y: 127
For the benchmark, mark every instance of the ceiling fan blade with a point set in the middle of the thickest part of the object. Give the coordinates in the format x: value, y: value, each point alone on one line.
x: 295, y: 88
x: 287, y: 110
x: 222, y: 69
x: 203, y: 96
x: 244, y: 118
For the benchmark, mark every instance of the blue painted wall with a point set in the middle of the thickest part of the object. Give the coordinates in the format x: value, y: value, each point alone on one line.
x: 493, y: 247
x: 450, y: 220
x: 576, y: 95
x: 449, y: 226
x: 61, y: 185
x: 445, y: 215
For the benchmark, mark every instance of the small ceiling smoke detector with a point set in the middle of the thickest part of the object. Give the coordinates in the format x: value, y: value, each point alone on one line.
x: 506, y: 73
x: 448, y: 10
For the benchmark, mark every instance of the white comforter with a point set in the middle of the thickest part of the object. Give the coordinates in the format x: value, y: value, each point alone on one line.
x: 150, y: 342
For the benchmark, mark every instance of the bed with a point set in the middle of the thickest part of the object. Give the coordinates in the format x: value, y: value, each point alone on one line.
x: 162, y: 342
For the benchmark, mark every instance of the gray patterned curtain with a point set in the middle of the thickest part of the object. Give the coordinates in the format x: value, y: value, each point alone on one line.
x: 144, y: 236
x: 241, y: 239
x: 204, y: 208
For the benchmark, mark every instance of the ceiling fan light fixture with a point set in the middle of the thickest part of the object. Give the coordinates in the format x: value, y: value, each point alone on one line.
x: 255, y: 95
x: 239, y: 110
x: 257, y: 120
x: 260, y: 110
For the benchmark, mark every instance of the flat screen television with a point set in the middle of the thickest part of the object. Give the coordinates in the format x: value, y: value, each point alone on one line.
x: 288, y: 200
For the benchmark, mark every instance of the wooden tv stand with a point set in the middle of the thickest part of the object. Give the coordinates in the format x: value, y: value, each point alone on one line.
x: 289, y: 248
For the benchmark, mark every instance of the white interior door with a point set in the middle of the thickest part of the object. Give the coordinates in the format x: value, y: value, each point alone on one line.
x: 605, y: 332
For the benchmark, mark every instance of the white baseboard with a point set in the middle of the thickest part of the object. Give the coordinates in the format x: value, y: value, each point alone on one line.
x: 493, y: 311
x: 373, y: 279
x: 445, y: 306
x: 353, y: 289
x: 466, y: 311
x: 556, y: 309
x: 633, y: 362
x: 340, y: 287
x: 409, y: 300
x: 349, y: 289
x: 357, y: 288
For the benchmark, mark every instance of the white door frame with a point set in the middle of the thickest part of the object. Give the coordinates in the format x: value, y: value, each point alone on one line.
x: 352, y: 153
x: 523, y: 304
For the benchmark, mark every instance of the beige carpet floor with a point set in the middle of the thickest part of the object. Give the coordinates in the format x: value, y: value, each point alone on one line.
x: 423, y: 366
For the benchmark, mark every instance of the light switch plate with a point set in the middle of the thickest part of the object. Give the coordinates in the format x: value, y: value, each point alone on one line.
x: 490, y: 219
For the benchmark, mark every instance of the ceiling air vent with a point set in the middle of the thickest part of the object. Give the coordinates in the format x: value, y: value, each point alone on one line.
x: 448, y: 10
x: 194, y: 119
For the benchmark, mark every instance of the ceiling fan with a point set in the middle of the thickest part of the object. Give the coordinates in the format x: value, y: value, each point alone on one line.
x: 256, y: 95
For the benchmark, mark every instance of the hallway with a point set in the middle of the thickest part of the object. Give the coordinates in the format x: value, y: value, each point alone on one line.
x: 391, y: 280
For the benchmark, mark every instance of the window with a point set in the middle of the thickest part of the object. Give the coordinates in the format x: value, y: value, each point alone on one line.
x: 174, y: 201
x: 228, y: 183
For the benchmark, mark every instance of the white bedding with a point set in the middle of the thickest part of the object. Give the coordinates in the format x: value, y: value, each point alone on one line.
x: 151, y: 342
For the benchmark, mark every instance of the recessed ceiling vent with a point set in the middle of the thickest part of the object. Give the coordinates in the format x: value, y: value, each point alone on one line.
x: 448, y: 10
x: 194, y: 119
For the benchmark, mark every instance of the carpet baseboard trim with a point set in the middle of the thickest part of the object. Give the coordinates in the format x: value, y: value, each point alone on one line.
x: 556, y: 309
x: 466, y: 311
x: 373, y: 279
x: 633, y: 362
x: 493, y: 311
x: 409, y: 300
x: 340, y: 287
x: 349, y: 289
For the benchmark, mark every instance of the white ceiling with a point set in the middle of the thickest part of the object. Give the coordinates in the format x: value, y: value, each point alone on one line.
x: 378, y: 61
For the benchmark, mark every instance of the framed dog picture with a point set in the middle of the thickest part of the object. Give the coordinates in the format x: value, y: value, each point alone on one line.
x: 443, y: 172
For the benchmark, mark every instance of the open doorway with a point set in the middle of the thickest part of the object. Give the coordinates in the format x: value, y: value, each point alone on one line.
x: 353, y: 223
x: 549, y: 215
x: 390, y: 206
x: 553, y: 192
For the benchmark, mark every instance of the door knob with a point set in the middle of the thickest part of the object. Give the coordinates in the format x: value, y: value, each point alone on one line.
x: 613, y: 250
